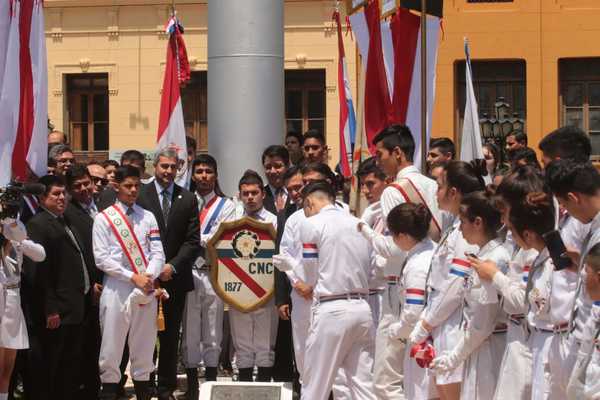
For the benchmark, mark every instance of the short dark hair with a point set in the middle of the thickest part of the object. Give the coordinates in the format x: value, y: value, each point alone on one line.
x: 535, y: 213
x: 297, y: 135
x: 314, y: 134
x: 276, y: 151
x: 319, y: 186
x: 126, y: 171
x: 466, y: 177
x: 515, y: 186
x: 49, y: 181
x: 592, y: 258
x: 112, y: 163
x: 206, y: 159
x: 52, y: 162
x: 520, y: 137
x: 446, y: 145
x: 411, y: 219
x: 369, y: 166
x: 251, y: 177
x: 564, y: 176
x: 78, y: 171
x: 291, y: 172
x: 568, y: 142
x: 482, y: 204
x: 133, y: 156
x: 321, y: 168
x: 397, y: 136
x: 191, y: 142
x: 526, y: 154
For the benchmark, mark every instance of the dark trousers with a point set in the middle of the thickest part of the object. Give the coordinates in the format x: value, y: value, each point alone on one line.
x: 283, y: 369
x: 92, y: 338
x: 169, y: 342
x: 54, y: 359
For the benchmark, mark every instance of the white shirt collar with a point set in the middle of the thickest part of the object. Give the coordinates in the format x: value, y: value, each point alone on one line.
x: 411, y: 169
x: 159, y: 189
x: 209, y: 197
x: 124, y: 206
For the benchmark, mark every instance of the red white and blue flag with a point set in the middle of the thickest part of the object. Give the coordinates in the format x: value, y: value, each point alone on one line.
x: 23, y: 90
x: 171, y: 128
x: 347, y: 116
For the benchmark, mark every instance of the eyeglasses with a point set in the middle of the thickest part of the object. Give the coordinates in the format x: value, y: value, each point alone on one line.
x: 102, y: 181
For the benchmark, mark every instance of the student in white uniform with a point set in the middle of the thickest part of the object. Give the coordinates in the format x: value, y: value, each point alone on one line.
x: 253, y: 333
x: 409, y: 226
x: 442, y: 315
x: 585, y: 383
x: 338, y: 261
x: 128, y: 249
x: 372, y: 181
x: 514, y: 373
x: 13, y: 331
x: 480, y: 348
x: 203, y: 321
x: 395, y: 148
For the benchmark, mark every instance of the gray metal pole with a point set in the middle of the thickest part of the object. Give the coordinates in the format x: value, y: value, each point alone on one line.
x: 245, y: 84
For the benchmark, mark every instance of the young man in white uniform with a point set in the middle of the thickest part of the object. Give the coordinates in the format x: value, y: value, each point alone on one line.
x: 203, y: 321
x: 338, y: 262
x: 395, y: 148
x: 254, y: 333
x: 128, y: 249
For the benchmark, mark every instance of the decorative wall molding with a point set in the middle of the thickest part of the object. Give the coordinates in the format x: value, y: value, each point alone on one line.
x: 85, y: 65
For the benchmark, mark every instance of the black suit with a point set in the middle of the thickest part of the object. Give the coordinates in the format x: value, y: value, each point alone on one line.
x: 180, y: 237
x: 107, y: 198
x: 283, y: 369
x: 269, y: 202
x: 83, y: 223
x: 54, y: 286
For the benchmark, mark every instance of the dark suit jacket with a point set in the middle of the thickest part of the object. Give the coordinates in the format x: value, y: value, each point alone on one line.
x: 56, y: 284
x: 106, y: 199
x: 81, y: 225
x: 269, y: 202
x: 283, y: 288
x: 180, y: 236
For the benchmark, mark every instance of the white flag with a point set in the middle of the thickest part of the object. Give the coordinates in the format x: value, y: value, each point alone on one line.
x: 470, y: 144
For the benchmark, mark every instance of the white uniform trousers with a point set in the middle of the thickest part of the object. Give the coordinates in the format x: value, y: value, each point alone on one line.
x: 561, y: 362
x: 117, y: 320
x: 341, y: 337
x: 591, y: 389
x: 13, y: 330
x: 539, y: 343
x: 514, y: 374
x: 388, y: 369
x: 376, y: 303
x: 203, y: 324
x: 253, y: 335
x: 480, y: 372
x: 300, y: 317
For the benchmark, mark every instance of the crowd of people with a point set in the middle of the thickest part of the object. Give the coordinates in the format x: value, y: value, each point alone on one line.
x: 471, y: 280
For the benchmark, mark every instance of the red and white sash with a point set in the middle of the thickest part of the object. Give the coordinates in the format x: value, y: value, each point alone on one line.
x: 130, y: 244
x: 411, y: 194
x: 210, y: 212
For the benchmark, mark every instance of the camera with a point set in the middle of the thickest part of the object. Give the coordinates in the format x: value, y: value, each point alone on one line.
x: 11, y: 197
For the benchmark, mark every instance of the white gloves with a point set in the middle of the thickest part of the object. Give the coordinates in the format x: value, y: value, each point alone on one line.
x: 419, y: 334
x: 13, y: 232
x: 281, y: 262
x: 448, y: 361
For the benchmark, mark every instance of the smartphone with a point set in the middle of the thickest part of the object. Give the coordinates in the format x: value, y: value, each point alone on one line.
x: 472, y: 255
x: 557, y: 250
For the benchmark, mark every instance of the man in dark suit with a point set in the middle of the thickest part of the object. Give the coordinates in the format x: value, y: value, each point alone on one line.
x: 283, y: 370
x: 275, y: 160
x: 55, y: 291
x: 81, y: 212
x: 176, y: 211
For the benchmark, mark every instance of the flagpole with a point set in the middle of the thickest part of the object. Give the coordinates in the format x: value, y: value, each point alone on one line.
x: 424, y: 143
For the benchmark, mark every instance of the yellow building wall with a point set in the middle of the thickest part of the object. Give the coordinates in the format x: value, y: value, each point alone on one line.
x: 538, y: 31
x: 125, y: 39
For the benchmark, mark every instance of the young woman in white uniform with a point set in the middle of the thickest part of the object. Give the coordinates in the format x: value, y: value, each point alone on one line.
x: 13, y: 331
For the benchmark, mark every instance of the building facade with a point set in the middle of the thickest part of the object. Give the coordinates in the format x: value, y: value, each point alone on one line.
x: 537, y: 58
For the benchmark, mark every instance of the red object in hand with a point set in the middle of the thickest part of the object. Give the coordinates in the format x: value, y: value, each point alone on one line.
x: 423, y: 353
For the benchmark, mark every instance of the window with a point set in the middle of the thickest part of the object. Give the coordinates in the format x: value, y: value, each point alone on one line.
x: 193, y: 99
x: 580, y: 97
x: 305, y: 100
x: 493, y: 81
x: 87, y: 97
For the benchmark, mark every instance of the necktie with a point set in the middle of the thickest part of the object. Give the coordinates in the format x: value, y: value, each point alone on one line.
x: 86, y: 276
x: 165, y: 205
x: 129, y: 214
x: 92, y: 211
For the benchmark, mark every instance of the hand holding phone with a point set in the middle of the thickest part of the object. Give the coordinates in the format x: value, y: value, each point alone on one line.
x: 557, y: 250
